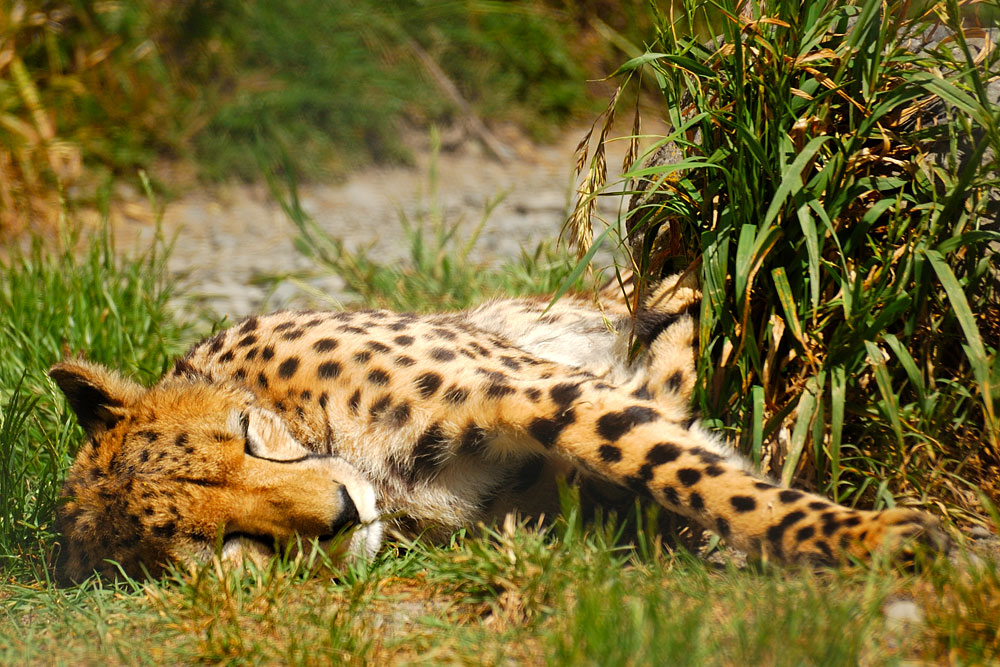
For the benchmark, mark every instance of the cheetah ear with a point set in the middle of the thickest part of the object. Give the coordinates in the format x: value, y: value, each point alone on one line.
x: 98, y: 395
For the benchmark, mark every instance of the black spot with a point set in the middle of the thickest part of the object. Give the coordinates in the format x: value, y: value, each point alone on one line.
x: 614, y: 425
x: 805, y: 533
x: 688, y: 476
x: 665, y: 452
x: 251, y: 354
x: 696, y: 501
x: 642, y: 393
x: 480, y: 349
x: 405, y: 341
x: 533, y: 394
x: 403, y: 360
x: 428, y: 384
x: 429, y: 453
x: 306, y: 395
x: 763, y: 486
x: 443, y: 333
x: 674, y: 382
x: 610, y: 453
x: 325, y: 344
x: 705, y: 455
x: 456, y: 395
x: 510, y: 362
x: 348, y: 328
x: 547, y: 431
x: 564, y: 394
x: 283, y: 326
x: 650, y: 324
x: 670, y: 495
x: 377, y: 347
x: 150, y: 436
x: 293, y: 334
x: 472, y: 440
x: 262, y: 381
x: 399, y: 415
x: 496, y: 376
x: 328, y: 370
x: 818, y: 505
x: 181, y: 440
x: 830, y: 523
x: 240, y: 374
x: 227, y: 357
x: 789, y: 496
x: 714, y: 470
x: 743, y: 503
x: 776, y: 532
x: 442, y: 354
x: 362, y: 357
x: 144, y: 455
x: 825, y: 548
x: 249, y: 325
x: 646, y: 472
x: 288, y: 367
x: 498, y: 390
x: 722, y: 527
x: 267, y: 353
x: 379, y: 406
x: 378, y: 377
x: 217, y: 342
x: 313, y: 322
x: 354, y: 402
x: 851, y: 521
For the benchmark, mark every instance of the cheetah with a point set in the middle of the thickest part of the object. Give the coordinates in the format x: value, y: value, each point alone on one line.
x: 318, y: 424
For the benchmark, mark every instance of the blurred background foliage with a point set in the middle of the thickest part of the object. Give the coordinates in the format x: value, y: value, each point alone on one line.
x: 104, y: 87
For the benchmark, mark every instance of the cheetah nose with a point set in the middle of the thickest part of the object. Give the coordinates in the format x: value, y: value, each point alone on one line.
x: 348, y: 515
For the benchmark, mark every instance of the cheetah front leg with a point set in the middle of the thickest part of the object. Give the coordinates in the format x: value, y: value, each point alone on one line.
x: 630, y: 442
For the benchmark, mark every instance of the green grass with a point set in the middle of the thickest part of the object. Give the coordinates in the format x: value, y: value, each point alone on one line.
x: 851, y: 288
x: 526, y: 596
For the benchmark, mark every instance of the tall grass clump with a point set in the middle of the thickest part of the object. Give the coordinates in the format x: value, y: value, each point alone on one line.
x: 832, y: 176
x: 54, y: 304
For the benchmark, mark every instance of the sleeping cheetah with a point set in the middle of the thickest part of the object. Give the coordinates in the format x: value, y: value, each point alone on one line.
x: 307, y: 423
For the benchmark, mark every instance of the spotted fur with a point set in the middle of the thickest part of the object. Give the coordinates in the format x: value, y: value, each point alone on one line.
x: 302, y: 423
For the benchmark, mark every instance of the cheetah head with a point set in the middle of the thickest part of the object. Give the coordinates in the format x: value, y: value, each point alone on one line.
x: 174, y: 472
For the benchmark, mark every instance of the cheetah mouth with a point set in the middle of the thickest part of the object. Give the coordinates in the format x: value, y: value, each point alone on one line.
x: 367, y: 536
x: 355, y: 533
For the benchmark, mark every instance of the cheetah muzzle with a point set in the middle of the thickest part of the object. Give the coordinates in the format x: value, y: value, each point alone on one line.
x: 304, y: 425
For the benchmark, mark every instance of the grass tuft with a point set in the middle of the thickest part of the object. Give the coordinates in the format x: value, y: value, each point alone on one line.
x: 830, y: 172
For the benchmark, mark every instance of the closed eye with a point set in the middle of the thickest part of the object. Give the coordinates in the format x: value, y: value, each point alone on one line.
x: 253, y: 447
